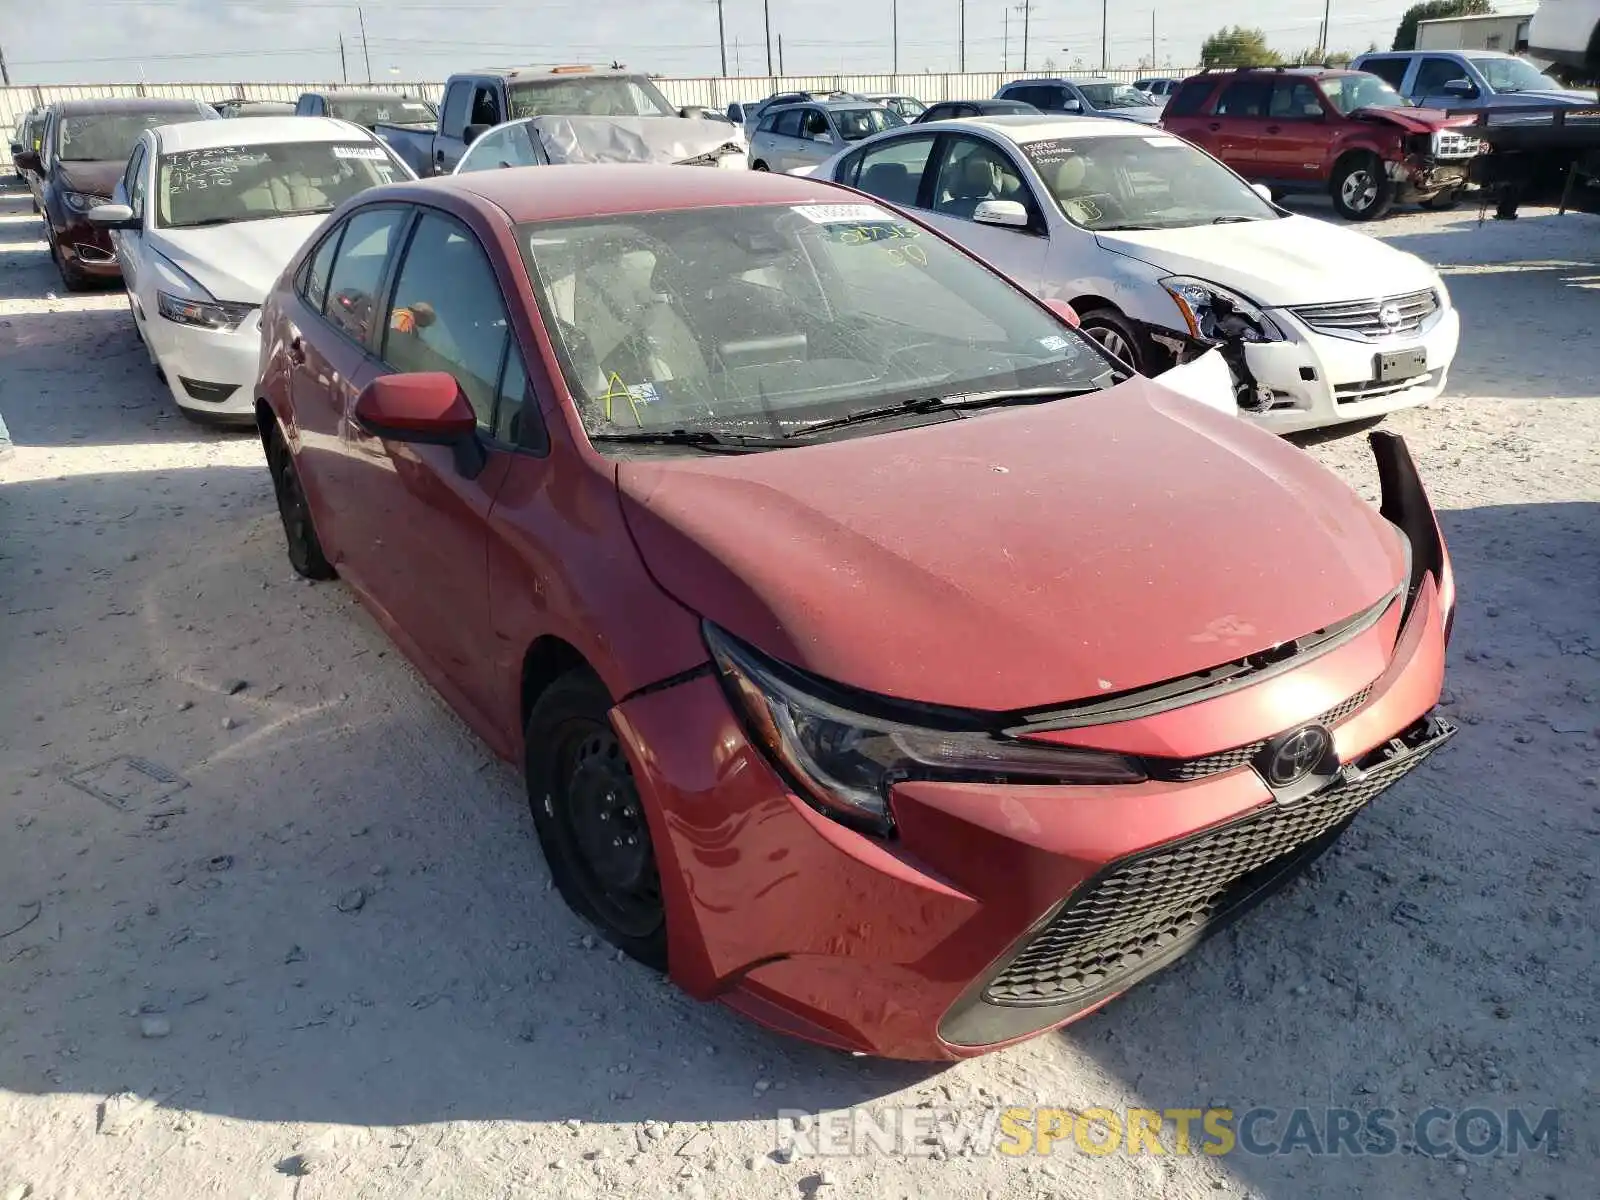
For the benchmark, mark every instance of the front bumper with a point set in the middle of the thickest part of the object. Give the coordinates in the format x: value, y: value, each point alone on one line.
x: 209, y: 371
x: 1421, y: 178
x: 87, y: 247
x: 910, y: 947
x: 1317, y: 380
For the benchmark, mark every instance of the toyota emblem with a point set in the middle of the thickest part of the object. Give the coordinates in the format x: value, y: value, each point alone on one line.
x: 1296, y: 754
x: 1389, y: 314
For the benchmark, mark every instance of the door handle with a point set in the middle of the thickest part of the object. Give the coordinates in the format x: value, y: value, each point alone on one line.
x: 1215, y: 125
x: 297, y: 351
x: 1274, y: 129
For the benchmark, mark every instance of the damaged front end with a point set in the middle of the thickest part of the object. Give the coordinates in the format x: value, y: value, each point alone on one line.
x: 1226, y: 322
x: 1434, y: 163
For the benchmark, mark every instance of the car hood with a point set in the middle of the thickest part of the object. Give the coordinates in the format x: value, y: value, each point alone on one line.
x: 637, y: 139
x: 238, y: 262
x: 1293, y: 260
x: 1413, y: 120
x: 91, y: 178
x: 1557, y: 96
x: 1019, y: 558
x: 1144, y: 116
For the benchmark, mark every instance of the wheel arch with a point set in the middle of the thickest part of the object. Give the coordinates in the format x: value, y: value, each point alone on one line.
x: 546, y: 660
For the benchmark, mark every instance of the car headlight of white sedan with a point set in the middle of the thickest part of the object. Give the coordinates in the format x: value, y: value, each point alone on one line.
x: 1216, y: 314
x: 207, y: 314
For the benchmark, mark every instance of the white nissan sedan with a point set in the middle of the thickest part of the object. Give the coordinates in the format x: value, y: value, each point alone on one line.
x: 1164, y: 252
x: 204, y: 219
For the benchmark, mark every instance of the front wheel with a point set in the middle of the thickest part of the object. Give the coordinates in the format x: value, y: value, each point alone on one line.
x: 758, y: 165
x: 305, y: 550
x: 72, y: 276
x: 590, y: 817
x: 1116, y: 335
x: 1362, y: 189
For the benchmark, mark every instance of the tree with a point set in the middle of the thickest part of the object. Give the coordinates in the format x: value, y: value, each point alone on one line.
x: 1238, y: 47
x: 1405, y: 36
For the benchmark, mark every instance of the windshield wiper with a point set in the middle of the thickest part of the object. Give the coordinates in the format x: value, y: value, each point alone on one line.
x: 705, y: 439
x: 1121, y: 228
x: 952, y: 403
x: 1236, y: 220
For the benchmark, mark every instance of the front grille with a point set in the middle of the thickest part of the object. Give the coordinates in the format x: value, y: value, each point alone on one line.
x: 1352, y: 393
x: 1182, y: 770
x: 1449, y: 144
x: 1362, y: 319
x: 1144, y: 910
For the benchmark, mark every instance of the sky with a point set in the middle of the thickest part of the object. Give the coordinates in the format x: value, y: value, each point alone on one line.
x: 191, y: 41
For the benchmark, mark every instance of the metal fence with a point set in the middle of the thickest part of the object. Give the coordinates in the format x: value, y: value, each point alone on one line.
x: 709, y: 92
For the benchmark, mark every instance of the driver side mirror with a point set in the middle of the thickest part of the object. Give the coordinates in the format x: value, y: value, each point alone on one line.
x: 1011, y: 214
x: 473, y: 132
x: 1263, y: 191
x: 1460, y: 88
x: 1071, y: 105
x: 427, y: 408
x: 114, y: 216
x: 824, y: 137
x: 26, y: 160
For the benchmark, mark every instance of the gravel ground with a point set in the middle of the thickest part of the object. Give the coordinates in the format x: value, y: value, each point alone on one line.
x: 315, y: 953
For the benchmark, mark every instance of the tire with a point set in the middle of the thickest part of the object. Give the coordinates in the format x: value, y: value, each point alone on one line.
x: 583, y: 796
x: 1444, y: 201
x: 1117, y: 336
x: 758, y: 165
x: 1361, y: 188
x: 305, y: 550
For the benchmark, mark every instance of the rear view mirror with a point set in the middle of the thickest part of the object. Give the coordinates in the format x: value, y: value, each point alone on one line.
x: 426, y: 407
x: 1009, y: 213
x: 113, y: 216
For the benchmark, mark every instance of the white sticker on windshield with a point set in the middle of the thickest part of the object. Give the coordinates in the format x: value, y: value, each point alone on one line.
x: 831, y: 214
x: 1160, y: 141
x: 371, y: 153
x: 1054, y: 342
x: 643, y: 393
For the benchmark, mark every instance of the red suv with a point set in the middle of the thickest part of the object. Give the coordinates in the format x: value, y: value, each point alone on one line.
x: 1313, y: 129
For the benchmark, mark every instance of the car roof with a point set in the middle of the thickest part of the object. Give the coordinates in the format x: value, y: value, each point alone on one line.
x: 555, y: 71
x: 126, y: 104
x: 352, y: 94
x: 259, y: 131
x: 1025, y: 127
x: 602, y: 189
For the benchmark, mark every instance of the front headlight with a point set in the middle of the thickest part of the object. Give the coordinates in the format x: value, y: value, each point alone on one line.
x: 844, y: 761
x: 1216, y: 314
x: 82, y: 202
x: 207, y: 314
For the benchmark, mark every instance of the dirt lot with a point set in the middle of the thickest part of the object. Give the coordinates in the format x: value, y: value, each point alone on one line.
x: 323, y: 927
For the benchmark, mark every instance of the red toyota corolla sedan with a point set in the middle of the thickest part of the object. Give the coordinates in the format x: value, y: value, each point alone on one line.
x: 884, y: 660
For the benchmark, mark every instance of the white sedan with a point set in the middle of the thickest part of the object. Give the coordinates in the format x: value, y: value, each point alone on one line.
x: 1164, y: 252
x: 205, y: 217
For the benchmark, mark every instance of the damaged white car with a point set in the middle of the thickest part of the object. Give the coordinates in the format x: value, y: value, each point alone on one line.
x: 545, y: 141
x: 1167, y: 255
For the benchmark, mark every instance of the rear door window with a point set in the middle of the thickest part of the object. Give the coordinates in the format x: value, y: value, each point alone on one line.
x: 369, y: 238
x: 1245, y: 98
x: 893, y: 171
x: 1391, y: 70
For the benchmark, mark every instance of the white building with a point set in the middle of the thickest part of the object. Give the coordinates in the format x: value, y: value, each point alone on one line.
x: 1491, y: 31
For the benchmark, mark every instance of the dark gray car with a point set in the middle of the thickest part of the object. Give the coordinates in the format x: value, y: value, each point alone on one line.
x: 1469, y: 79
x: 1088, y: 97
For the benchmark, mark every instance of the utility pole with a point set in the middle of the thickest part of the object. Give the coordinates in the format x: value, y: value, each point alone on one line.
x: 722, y: 40
x: 361, y: 17
x: 894, y: 21
x: 766, y: 15
x: 1327, y: 12
x: 1104, y: 63
x: 780, y: 54
x: 344, y: 69
x: 1027, y: 14
x: 5, y: 72
x: 1005, y: 44
x: 1152, y: 39
x: 961, y: 54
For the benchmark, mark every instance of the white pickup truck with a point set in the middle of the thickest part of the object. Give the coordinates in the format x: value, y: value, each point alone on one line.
x: 1567, y: 32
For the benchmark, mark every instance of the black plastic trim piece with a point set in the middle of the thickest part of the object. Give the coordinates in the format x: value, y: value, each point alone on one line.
x: 671, y: 681
x: 1405, y: 505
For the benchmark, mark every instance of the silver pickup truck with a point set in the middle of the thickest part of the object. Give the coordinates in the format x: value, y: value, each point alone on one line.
x: 477, y: 101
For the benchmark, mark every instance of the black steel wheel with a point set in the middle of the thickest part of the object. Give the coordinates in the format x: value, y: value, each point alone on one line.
x: 591, y: 818
x: 305, y: 550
